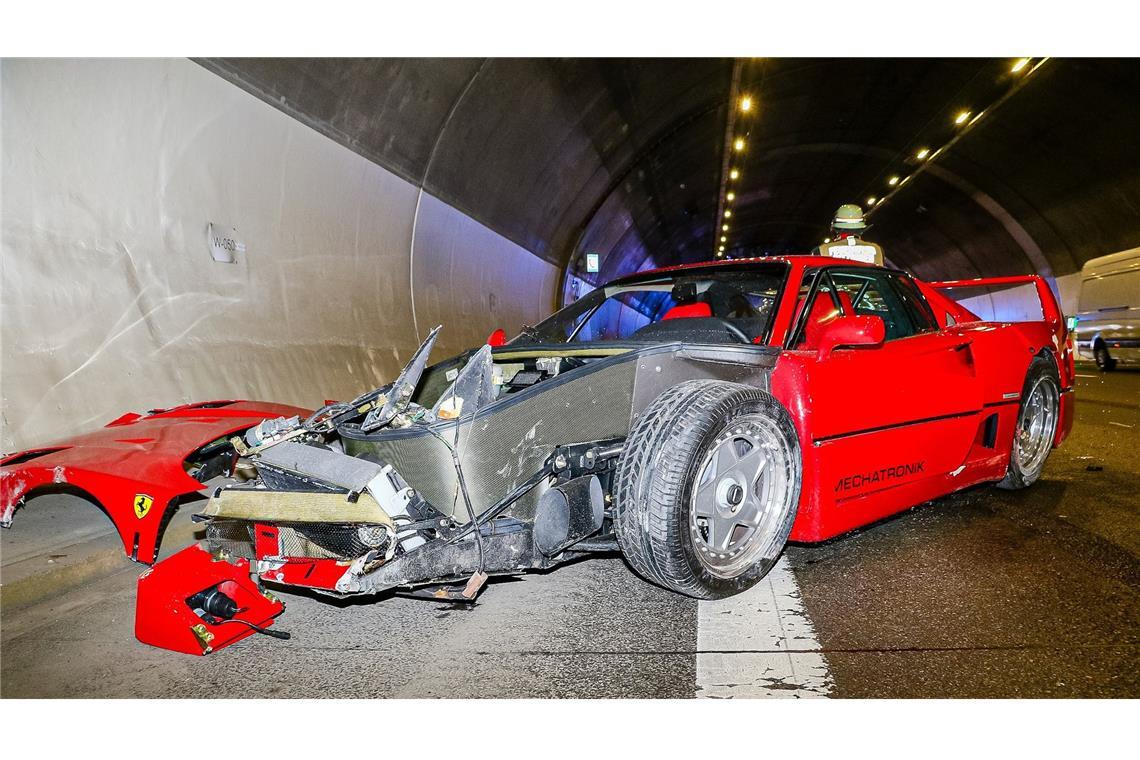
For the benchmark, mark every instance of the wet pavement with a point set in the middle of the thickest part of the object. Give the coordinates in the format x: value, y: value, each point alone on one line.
x: 1033, y: 593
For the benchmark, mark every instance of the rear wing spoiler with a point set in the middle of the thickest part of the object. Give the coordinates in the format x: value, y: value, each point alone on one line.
x: 1050, y: 310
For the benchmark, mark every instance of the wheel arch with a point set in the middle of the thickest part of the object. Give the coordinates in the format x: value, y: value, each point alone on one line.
x: 69, y: 489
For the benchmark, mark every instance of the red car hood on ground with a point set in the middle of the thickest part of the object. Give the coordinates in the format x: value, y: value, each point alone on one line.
x: 133, y: 467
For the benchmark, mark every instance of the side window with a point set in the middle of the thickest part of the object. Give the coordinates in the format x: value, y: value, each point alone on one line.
x: 874, y: 292
x: 826, y: 302
x: 916, y: 307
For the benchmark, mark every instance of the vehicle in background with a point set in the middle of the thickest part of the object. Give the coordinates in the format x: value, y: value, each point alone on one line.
x: 1108, y: 312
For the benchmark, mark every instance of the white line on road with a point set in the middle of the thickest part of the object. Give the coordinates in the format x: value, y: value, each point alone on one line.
x: 760, y: 643
x: 1119, y: 424
x: 1092, y: 376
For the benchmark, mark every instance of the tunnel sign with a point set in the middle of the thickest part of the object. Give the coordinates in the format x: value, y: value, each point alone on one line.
x: 224, y: 243
x: 593, y: 262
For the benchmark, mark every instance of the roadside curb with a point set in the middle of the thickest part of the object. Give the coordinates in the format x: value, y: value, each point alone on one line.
x: 53, y: 581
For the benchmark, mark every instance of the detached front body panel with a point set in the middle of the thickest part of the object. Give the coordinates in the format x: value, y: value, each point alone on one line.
x: 136, y: 466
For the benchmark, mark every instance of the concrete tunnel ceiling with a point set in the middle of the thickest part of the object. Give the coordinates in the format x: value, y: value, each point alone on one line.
x: 630, y: 158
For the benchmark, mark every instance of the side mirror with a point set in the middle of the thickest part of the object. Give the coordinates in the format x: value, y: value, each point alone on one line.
x: 497, y: 338
x: 863, y: 330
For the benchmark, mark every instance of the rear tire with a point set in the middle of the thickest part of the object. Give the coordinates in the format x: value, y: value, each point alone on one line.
x: 1104, y: 360
x: 707, y: 488
x: 1037, y: 419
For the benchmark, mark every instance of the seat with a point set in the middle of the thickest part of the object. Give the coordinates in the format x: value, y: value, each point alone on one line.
x: 688, y: 311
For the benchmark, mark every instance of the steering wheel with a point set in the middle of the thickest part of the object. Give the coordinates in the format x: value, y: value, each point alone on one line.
x: 734, y: 330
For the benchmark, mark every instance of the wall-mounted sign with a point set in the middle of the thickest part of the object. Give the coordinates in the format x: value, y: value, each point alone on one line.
x: 224, y: 243
x: 593, y: 262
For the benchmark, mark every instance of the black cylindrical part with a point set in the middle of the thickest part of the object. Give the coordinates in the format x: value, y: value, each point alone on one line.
x: 214, y: 602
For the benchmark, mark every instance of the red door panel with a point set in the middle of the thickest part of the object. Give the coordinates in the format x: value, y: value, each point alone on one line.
x: 918, y: 378
x: 882, y: 428
x: 858, y: 474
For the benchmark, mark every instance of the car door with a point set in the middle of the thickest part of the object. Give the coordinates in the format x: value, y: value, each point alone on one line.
x: 889, y: 423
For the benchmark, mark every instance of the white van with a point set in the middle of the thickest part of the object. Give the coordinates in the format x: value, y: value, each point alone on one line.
x: 1108, y: 310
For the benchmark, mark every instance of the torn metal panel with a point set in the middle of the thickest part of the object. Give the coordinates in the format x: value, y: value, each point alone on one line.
x: 509, y: 439
x: 473, y: 389
x: 400, y: 395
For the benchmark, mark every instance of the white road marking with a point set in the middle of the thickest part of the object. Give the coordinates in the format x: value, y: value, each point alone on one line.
x: 1092, y: 376
x: 760, y: 643
x: 1119, y: 424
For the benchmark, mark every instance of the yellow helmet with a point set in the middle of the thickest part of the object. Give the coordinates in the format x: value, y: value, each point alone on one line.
x: 849, y: 217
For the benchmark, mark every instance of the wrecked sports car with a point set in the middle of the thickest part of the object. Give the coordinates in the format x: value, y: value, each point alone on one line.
x: 694, y: 419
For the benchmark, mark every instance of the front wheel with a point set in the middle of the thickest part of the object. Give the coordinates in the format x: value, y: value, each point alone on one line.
x: 1036, y: 424
x: 707, y: 488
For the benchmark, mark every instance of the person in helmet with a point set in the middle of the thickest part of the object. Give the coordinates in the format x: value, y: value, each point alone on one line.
x: 845, y: 242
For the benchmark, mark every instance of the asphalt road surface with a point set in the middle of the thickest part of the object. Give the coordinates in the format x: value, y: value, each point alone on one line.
x: 986, y: 593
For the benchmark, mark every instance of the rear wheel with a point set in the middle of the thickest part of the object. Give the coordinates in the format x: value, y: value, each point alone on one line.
x: 707, y: 488
x: 1036, y: 424
x: 1103, y: 359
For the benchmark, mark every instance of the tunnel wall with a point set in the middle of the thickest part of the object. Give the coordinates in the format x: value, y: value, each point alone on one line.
x: 110, y: 299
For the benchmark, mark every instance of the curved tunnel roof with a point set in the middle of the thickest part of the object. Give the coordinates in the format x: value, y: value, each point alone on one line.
x: 630, y: 158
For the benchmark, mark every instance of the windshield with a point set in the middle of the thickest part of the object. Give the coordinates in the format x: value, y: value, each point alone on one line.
x: 716, y: 305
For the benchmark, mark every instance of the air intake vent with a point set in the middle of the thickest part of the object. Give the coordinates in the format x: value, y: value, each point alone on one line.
x: 989, y: 431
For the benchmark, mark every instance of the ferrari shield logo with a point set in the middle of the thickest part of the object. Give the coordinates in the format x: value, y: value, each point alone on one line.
x: 142, y: 505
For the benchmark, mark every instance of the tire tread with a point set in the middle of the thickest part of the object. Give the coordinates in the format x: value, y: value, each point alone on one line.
x: 652, y: 477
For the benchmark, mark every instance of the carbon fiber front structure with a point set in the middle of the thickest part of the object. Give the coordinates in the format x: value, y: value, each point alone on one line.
x: 509, y: 440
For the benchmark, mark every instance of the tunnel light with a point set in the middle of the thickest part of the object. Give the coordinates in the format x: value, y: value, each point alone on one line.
x: 871, y: 200
x: 1019, y: 65
x: 827, y: 240
x: 893, y: 180
x: 739, y: 144
x: 961, y: 118
x: 922, y: 154
x: 727, y: 213
x: 724, y: 238
x: 724, y: 227
x: 734, y: 174
x: 746, y: 104
x: 730, y: 197
x: 721, y: 249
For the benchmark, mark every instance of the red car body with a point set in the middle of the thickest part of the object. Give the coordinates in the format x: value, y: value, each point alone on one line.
x: 134, y: 467
x: 883, y: 429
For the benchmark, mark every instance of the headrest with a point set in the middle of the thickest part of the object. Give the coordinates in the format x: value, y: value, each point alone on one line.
x: 684, y: 292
